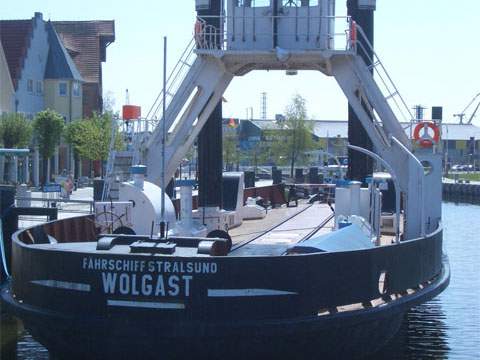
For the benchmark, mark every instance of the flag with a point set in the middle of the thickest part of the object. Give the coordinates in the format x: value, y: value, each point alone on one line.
x: 232, y: 123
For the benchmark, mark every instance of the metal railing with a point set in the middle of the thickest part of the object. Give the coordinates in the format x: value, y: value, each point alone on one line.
x: 174, y: 81
x: 52, y: 203
x: 208, y: 37
x: 386, y: 85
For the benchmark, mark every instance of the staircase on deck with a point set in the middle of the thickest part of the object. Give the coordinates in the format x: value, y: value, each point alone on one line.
x: 117, y: 172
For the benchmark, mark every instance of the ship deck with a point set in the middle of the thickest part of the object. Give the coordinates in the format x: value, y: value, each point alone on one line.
x: 270, y: 236
x: 281, y: 228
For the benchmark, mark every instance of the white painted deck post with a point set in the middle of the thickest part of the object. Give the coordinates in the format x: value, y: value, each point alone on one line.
x: 56, y: 157
x: 14, y: 170
x: 71, y: 160
x: 26, y: 170
x: 2, y: 169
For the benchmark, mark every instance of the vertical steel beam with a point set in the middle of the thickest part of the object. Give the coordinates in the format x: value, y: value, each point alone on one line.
x: 210, y: 149
x: 360, y: 165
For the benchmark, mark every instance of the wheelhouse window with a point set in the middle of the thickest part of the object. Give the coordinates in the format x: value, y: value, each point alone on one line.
x: 298, y: 3
x: 30, y: 85
x: 253, y: 3
x: 260, y: 3
x: 62, y: 89
x: 76, y: 89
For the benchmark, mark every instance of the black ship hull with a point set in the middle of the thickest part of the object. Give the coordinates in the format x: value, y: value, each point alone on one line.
x: 84, y: 302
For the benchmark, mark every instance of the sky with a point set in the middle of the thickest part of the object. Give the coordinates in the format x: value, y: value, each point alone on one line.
x: 430, y: 48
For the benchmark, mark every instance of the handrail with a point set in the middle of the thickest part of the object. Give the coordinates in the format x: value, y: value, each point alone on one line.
x: 181, y: 63
x: 395, y: 182
x: 420, y: 175
x: 227, y: 37
x: 374, y: 63
x: 2, y: 250
x: 107, y: 184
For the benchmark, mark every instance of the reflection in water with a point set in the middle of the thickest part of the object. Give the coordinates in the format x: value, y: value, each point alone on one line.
x: 423, y: 335
x: 29, y: 349
x: 445, y: 328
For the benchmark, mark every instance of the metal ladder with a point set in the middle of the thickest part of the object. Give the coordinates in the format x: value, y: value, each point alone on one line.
x: 174, y: 80
x: 385, y: 83
x: 153, y: 117
x: 140, y: 130
x: 194, y: 88
x: 109, y: 176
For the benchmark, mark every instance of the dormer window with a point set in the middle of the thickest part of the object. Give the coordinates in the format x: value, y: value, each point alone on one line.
x: 39, y: 87
x: 76, y: 89
x: 30, y: 86
x: 62, y: 89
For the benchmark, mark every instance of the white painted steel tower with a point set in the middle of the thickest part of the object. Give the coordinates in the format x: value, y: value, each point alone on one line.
x: 290, y: 35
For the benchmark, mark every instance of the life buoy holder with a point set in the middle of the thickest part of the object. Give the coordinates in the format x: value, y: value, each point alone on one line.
x: 426, y: 140
x: 198, y: 32
x: 353, y: 33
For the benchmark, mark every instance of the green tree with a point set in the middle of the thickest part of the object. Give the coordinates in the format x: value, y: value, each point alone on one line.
x: 15, y: 131
x: 230, y: 149
x: 256, y: 155
x: 294, y: 138
x: 90, y: 138
x: 73, y: 135
x: 48, y: 128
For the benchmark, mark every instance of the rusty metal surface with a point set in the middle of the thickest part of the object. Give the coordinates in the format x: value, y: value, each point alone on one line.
x: 75, y: 229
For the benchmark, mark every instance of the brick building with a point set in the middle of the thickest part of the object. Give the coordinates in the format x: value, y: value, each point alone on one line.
x: 87, y: 42
x: 56, y: 65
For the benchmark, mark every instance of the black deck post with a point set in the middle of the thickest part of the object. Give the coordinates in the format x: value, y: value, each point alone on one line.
x: 275, y: 22
x: 359, y: 165
x: 210, y: 159
x: 9, y: 226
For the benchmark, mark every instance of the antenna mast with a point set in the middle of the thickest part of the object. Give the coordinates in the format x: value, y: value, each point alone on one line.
x: 264, y: 106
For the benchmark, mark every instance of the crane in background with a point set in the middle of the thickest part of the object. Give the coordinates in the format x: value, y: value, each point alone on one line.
x: 462, y: 114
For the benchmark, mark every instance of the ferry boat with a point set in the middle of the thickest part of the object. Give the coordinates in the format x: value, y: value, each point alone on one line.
x: 320, y: 279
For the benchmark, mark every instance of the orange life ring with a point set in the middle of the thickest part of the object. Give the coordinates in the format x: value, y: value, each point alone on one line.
x: 430, y: 141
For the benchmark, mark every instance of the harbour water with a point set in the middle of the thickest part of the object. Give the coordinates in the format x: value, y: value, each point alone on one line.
x: 447, y: 327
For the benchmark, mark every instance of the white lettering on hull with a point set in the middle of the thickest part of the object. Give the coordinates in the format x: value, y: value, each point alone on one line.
x: 63, y: 285
x: 146, y: 304
x: 146, y: 284
x: 151, y: 266
x: 247, y: 292
x: 147, y: 278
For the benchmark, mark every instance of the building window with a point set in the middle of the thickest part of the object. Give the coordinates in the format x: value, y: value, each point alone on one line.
x: 76, y: 89
x: 30, y: 85
x: 39, y: 88
x: 62, y: 89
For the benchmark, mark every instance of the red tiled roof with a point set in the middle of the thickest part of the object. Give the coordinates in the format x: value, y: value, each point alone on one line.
x: 15, y: 37
x: 86, y: 42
